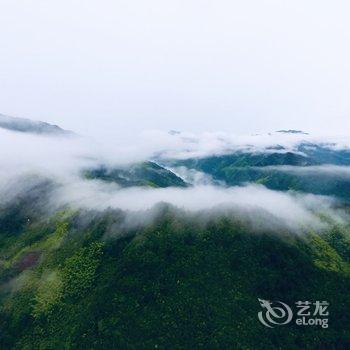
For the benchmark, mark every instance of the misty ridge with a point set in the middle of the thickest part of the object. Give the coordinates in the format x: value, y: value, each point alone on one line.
x: 210, y: 173
x: 29, y: 126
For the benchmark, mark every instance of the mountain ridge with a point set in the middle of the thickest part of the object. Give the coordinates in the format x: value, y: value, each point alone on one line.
x: 25, y: 125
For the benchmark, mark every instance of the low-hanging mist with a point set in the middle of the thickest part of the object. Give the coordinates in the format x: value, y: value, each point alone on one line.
x: 27, y: 158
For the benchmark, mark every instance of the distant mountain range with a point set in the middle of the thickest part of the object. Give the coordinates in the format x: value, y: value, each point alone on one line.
x: 291, y: 131
x: 312, y: 168
x: 33, y: 127
x: 75, y: 277
x: 305, y: 168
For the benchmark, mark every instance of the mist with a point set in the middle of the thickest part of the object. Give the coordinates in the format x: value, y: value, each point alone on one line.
x: 334, y: 171
x: 28, y: 159
x: 294, y: 211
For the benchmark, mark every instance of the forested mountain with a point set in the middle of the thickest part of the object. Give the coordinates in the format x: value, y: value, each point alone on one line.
x: 172, y: 252
x: 139, y: 174
x: 81, y: 280
x: 311, y: 168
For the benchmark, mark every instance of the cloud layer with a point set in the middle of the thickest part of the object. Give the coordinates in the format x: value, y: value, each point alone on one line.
x: 23, y: 157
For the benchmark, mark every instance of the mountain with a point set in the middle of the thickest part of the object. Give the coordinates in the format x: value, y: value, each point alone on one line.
x: 291, y: 131
x: 33, y: 127
x: 147, y: 174
x: 66, y: 285
x: 325, y: 153
x: 72, y: 277
x: 311, y: 168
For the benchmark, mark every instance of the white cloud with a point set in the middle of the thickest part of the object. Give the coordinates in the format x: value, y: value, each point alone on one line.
x: 337, y: 171
x: 292, y: 211
x: 25, y: 158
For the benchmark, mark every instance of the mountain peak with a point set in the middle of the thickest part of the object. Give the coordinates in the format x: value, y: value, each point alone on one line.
x: 30, y: 126
x: 291, y: 131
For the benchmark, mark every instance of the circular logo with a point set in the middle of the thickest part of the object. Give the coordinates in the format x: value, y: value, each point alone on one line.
x: 275, y: 313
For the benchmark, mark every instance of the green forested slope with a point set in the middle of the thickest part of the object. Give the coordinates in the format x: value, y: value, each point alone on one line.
x: 280, y: 171
x: 147, y: 174
x: 83, y: 280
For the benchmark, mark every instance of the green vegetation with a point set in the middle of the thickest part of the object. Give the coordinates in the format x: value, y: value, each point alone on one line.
x: 262, y: 168
x: 148, y: 174
x: 179, y: 283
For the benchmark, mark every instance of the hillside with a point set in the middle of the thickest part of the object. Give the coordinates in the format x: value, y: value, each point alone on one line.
x: 147, y: 174
x: 172, y: 252
x: 311, y: 168
x: 65, y: 284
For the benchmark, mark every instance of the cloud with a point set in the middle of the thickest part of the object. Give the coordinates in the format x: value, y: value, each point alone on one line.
x: 192, y: 176
x: 336, y: 171
x: 26, y: 159
x: 294, y: 211
x: 184, y: 145
x: 25, y: 152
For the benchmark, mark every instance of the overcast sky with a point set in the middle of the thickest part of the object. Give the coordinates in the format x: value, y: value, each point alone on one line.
x: 237, y: 66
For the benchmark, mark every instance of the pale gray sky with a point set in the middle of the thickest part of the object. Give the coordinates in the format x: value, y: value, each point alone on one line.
x: 235, y: 66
